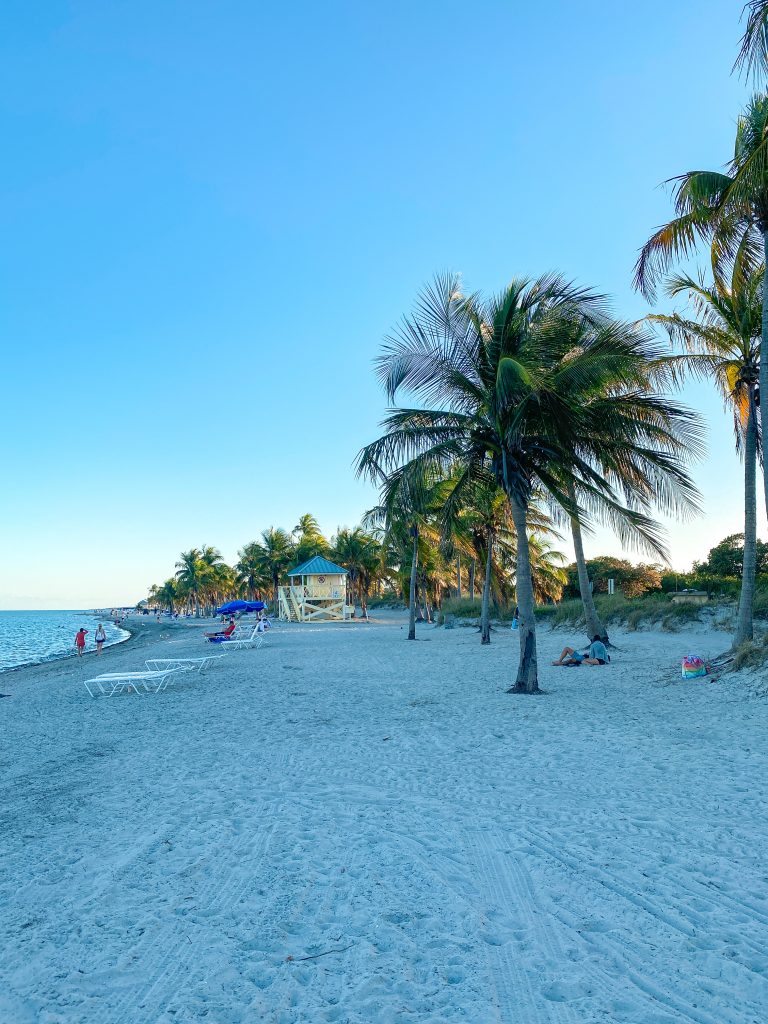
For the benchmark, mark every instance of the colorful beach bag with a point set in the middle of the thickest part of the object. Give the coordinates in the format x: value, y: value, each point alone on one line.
x: 693, y: 667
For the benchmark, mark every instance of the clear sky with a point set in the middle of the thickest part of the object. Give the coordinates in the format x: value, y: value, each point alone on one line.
x: 213, y: 212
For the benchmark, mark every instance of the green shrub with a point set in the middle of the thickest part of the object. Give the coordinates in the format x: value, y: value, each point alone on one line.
x: 760, y: 606
x: 462, y: 608
x: 752, y: 654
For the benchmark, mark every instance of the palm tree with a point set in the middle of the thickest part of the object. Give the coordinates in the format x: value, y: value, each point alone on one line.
x: 250, y: 570
x: 309, y: 539
x: 753, y: 54
x: 274, y: 556
x: 729, y: 211
x: 723, y: 344
x: 480, y: 517
x: 190, y: 574
x: 360, y: 553
x: 166, y: 594
x: 549, y: 575
x: 409, y: 498
x: 508, y: 376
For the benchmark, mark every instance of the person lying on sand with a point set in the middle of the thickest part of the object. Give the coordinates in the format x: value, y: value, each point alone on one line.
x: 224, y: 632
x: 595, y: 654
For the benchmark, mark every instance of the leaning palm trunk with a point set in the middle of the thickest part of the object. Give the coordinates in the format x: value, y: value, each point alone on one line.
x: 527, y: 672
x: 594, y: 626
x: 412, y: 596
x: 485, y: 615
x: 746, y: 600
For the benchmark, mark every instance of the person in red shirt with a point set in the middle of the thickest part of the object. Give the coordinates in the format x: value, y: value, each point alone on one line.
x: 224, y: 632
x: 80, y: 641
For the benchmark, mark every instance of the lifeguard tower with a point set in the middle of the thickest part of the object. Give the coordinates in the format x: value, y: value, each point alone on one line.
x: 317, y: 593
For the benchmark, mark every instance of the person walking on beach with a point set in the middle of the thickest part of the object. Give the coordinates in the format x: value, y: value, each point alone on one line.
x: 100, y: 637
x: 80, y: 641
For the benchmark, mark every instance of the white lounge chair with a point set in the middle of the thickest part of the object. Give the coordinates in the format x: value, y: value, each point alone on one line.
x: 252, y: 639
x: 194, y: 664
x: 116, y: 682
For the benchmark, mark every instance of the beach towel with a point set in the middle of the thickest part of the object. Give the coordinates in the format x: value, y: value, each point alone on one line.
x: 693, y: 667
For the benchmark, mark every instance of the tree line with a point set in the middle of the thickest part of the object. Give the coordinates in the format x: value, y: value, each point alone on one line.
x: 377, y: 556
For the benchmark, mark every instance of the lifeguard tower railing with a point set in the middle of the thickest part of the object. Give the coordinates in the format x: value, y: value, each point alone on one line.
x: 313, y: 602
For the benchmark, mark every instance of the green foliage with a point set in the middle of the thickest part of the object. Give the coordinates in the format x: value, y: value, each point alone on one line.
x: 726, y: 558
x: 631, y: 580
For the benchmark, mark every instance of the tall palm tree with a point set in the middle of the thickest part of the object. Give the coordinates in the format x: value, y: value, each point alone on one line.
x: 727, y: 210
x: 274, y: 556
x: 722, y: 343
x: 190, y: 574
x: 506, y: 377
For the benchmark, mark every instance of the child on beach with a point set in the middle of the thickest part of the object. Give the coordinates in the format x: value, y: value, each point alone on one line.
x: 80, y: 641
x: 99, y: 637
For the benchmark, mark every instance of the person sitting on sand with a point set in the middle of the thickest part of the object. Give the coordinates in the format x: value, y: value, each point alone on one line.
x: 595, y: 654
x: 224, y: 632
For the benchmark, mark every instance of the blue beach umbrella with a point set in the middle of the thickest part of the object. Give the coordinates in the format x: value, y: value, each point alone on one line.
x: 240, y: 606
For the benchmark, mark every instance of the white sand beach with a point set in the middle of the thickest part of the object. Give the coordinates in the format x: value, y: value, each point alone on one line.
x: 351, y: 828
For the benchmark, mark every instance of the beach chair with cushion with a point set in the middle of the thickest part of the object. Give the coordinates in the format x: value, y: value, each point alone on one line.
x: 253, y: 639
x: 118, y: 682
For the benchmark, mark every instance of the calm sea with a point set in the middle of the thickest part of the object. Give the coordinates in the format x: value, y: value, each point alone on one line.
x: 27, y: 638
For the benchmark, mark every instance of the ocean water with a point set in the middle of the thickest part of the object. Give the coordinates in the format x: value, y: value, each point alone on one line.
x: 27, y: 638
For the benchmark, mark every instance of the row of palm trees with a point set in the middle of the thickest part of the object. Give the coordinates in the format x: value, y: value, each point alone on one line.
x: 203, y: 580
x: 541, y: 399
x: 378, y: 558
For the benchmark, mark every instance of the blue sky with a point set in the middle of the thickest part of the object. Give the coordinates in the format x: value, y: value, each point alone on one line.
x: 213, y: 212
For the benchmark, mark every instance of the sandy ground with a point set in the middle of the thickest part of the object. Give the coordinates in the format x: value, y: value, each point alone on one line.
x: 347, y: 827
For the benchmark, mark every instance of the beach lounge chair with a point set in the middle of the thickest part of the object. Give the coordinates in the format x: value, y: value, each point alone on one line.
x: 117, y: 682
x: 252, y: 639
x: 194, y: 664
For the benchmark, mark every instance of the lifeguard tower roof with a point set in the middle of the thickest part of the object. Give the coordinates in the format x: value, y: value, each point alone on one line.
x: 318, y: 566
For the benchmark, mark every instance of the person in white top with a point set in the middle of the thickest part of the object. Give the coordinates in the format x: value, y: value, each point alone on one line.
x: 100, y: 638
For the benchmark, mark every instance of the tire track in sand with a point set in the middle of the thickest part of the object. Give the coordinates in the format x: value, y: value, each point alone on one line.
x: 168, y: 954
x: 518, y: 995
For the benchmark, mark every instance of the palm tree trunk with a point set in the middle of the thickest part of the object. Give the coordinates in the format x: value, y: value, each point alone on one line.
x: 458, y: 576
x: 485, y: 614
x: 472, y: 564
x: 746, y: 599
x: 527, y: 672
x: 594, y: 626
x: 764, y: 368
x: 414, y: 568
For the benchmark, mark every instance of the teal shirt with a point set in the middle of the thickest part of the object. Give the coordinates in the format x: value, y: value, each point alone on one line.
x: 597, y: 650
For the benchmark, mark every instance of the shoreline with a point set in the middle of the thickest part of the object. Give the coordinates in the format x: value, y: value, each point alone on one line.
x: 140, y: 635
